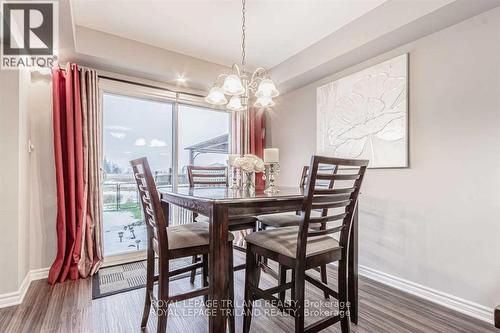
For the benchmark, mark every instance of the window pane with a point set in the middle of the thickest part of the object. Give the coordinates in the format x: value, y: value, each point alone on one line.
x: 203, y: 138
x: 132, y: 128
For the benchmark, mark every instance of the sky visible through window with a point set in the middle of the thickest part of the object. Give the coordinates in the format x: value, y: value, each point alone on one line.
x: 136, y: 127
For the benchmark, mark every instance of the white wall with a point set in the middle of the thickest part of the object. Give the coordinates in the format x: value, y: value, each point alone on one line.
x: 24, y: 163
x: 43, y: 205
x: 27, y: 180
x: 14, y: 183
x: 435, y: 223
x: 9, y: 190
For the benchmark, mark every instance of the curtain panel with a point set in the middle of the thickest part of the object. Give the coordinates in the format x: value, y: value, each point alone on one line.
x: 257, y: 122
x: 77, y: 153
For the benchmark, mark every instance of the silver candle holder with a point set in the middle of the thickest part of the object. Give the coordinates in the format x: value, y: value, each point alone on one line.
x: 274, y: 169
x: 235, y: 184
x: 234, y: 172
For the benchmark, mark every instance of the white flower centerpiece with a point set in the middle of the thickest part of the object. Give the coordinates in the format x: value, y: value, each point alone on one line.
x: 249, y: 165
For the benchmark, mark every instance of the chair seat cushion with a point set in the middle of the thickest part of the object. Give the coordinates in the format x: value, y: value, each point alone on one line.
x: 279, y: 220
x: 284, y: 241
x: 189, y: 235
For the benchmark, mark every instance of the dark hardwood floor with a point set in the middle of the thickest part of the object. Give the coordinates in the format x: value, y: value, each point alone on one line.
x: 68, y: 307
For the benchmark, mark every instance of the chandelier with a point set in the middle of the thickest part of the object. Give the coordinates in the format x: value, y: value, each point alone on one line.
x: 237, y: 89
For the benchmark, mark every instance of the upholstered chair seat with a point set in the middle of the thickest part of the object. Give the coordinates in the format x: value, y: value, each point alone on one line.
x: 189, y: 235
x: 284, y: 241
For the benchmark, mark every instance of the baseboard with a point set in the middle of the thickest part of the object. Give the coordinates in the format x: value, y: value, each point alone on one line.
x: 16, y: 297
x: 461, y: 305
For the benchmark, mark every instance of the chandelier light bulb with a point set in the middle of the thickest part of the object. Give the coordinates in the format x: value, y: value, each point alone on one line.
x: 232, y: 85
x: 235, y: 104
x: 216, y: 96
x: 267, y: 88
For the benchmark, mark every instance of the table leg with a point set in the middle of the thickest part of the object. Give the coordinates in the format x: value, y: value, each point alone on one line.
x: 353, y: 269
x: 219, y: 256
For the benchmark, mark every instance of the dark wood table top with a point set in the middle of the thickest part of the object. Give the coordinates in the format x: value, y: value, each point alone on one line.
x: 227, y: 195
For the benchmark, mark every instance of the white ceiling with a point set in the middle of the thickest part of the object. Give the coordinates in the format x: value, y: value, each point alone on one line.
x: 211, y: 29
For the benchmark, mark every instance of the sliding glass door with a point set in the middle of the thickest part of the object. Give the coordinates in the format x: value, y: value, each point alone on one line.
x: 132, y: 127
x: 140, y: 121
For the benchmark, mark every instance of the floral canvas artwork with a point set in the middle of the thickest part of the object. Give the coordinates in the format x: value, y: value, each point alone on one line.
x: 365, y: 115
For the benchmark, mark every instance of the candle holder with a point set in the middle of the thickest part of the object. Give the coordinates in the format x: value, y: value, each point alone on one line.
x: 234, y: 179
x: 274, y: 169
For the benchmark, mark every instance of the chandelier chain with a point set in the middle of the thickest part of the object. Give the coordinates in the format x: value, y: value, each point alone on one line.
x: 243, y: 36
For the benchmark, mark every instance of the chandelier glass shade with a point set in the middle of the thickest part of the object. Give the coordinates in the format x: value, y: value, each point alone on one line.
x: 232, y: 85
x: 267, y: 88
x: 242, y: 87
x: 216, y: 96
x: 235, y: 104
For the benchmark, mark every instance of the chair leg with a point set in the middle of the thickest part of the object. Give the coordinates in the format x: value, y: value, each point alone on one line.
x: 232, y: 325
x: 299, y: 287
x: 193, y: 272
x: 343, y: 309
x: 204, y: 278
x: 282, y: 281
x: 263, y: 259
x: 163, y: 286
x: 323, y: 272
x: 252, y: 274
x: 150, y: 271
x: 292, y: 291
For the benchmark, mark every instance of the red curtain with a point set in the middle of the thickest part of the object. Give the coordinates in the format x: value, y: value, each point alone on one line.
x: 68, y: 150
x: 257, y: 138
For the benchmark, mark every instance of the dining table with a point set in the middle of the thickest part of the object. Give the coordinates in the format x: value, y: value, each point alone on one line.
x: 220, y: 204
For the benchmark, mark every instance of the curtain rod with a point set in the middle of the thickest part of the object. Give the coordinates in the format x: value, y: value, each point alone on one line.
x: 148, y: 85
x: 133, y: 82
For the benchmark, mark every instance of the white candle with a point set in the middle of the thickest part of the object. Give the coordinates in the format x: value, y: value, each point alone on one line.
x: 231, y: 158
x: 271, y: 155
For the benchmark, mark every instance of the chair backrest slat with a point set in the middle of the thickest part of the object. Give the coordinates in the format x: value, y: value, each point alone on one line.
x: 340, y: 195
x: 331, y: 197
x: 156, y: 222
x: 333, y: 191
x: 329, y: 205
x: 325, y: 231
x: 207, y: 176
x: 328, y: 218
x: 336, y: 177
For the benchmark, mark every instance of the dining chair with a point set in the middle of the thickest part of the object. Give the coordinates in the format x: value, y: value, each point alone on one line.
x: 213, y: 176
x: 206, y: 176
x: 171, y: 242
x: 290, y: 219
x: 301, y: 248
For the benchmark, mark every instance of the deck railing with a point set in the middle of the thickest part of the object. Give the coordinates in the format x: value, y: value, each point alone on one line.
x: 123, y: 196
